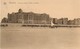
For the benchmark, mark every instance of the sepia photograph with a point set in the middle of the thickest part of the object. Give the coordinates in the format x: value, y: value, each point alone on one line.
x: 39, y: 24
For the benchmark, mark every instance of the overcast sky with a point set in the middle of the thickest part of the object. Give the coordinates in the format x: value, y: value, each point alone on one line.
x: 55, y: 8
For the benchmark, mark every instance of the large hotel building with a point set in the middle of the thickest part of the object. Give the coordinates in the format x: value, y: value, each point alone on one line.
x: 28, y: 18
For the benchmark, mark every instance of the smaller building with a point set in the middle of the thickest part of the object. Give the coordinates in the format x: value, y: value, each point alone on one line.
x: 4, y: 20
x: 63, y: 21
x: 77, y: 21
x: 55, y: 20
x: 60, y: 21
x: 71, y: 22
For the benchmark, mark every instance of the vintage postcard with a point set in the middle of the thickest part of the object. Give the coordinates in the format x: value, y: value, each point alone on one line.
x: 39, y: 24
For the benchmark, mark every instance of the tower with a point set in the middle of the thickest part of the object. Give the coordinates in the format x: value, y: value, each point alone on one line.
x: 20, y: 11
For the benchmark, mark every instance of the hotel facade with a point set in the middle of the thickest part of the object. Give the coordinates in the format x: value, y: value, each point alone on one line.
x: 28, y: 18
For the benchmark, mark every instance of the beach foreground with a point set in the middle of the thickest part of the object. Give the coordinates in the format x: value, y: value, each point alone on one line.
x: 39, y: 38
